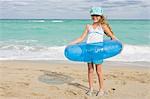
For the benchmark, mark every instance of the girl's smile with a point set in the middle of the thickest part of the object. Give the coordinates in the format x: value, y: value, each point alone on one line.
x: 95, y: 18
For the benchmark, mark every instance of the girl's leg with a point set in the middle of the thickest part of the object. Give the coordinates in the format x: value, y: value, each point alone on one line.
x: 90, y: 75
x: 100, y: 76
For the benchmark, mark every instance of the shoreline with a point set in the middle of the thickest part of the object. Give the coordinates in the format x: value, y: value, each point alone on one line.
x: 68, y: 80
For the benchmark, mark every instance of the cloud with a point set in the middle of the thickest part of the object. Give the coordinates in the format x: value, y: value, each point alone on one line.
x: 72, y: 8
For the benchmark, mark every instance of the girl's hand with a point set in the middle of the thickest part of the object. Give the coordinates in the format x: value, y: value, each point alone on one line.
x: 71, y: 43
x: 113, y: 37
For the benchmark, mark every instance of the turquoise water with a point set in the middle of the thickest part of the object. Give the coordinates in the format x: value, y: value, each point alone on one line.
x: 60, y: 32
x: 45, y: 36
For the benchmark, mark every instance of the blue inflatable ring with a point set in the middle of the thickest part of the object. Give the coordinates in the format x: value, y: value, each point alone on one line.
x: 84, y: 52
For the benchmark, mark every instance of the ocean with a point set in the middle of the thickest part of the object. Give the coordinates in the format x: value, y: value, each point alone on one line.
x: 46, y: 39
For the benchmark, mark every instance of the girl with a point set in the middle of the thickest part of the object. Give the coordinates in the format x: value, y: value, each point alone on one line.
x: 94, y: 33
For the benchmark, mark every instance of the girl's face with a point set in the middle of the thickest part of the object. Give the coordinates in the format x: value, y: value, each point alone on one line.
x: 96, y: 18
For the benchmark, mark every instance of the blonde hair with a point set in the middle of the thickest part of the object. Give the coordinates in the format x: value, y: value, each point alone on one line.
x: 103, y: 21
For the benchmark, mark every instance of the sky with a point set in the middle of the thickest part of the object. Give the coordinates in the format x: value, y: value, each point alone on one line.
x: 73, y: 9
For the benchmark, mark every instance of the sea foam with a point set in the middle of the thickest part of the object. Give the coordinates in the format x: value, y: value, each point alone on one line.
x: 130, y: 53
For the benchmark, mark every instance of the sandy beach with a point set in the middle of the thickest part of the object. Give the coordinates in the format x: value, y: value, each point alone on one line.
x: 68, y: 80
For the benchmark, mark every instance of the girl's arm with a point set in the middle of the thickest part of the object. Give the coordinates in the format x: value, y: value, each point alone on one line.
x: 108, y: 31
x: 81, y: 38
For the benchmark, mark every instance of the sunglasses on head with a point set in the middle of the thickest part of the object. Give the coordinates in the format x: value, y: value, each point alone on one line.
x: 95, y: 15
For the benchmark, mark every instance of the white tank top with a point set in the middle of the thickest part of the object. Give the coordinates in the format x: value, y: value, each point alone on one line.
x: 95, y: 35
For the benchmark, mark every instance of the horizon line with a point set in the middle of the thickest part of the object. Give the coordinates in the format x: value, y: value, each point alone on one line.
x: 69, y: 19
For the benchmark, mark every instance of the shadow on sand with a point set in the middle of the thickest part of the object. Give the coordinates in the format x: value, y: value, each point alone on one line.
x: 58, y: 78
